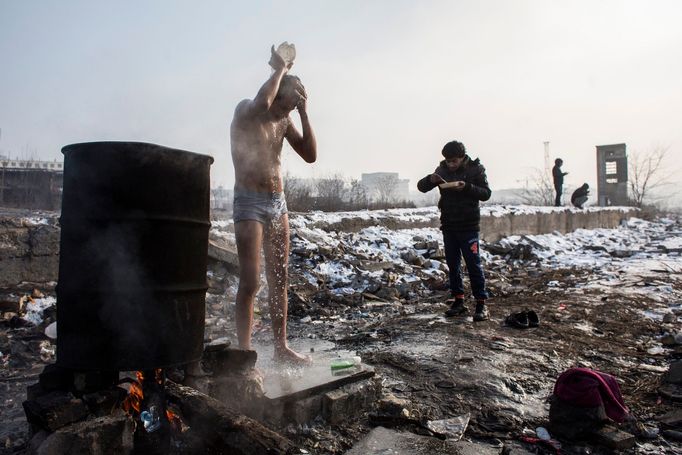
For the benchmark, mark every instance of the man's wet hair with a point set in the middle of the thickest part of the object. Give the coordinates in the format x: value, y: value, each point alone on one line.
x: 454, y: 149
x: 558, y: 161
x: 288, y: 80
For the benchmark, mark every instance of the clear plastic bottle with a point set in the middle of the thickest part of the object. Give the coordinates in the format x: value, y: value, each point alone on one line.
x: 150, y: 419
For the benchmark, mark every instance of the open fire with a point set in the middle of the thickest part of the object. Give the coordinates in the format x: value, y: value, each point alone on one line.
x: 146, y: 402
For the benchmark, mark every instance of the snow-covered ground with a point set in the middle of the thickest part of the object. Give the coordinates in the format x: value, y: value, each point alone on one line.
x: 639, y: 256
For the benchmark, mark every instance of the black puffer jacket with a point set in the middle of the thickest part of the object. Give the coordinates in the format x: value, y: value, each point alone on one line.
x: 459, y: 209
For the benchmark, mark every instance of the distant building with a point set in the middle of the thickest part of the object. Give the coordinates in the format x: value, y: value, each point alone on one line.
x: 386, y: 186
x: 612, y: 175
x: 31, y: 184
x: 221, y: 198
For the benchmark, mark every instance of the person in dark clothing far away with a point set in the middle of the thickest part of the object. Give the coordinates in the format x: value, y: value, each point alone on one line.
x: 558, y: 178
x: 579, y: 196
x: 462, y: 183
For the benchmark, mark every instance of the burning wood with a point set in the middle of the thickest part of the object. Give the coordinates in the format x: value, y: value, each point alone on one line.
x: 146, y: 400
x: 133, y: 401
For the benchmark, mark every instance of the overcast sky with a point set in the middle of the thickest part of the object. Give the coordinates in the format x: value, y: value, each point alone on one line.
x: 389, y: 82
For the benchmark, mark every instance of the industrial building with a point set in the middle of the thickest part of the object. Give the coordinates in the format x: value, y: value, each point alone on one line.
x: 31, y: 184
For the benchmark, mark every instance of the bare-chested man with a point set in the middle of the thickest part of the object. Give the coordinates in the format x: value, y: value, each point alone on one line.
x: 260, y: 215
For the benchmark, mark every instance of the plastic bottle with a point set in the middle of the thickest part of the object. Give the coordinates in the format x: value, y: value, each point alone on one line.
x: 345, y: 363
x: 150, y: 419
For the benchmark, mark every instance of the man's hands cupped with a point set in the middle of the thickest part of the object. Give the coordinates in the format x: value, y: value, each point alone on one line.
x: 277, y: 62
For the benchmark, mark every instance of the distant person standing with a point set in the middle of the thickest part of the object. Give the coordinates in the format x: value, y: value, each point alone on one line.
x: 558, y: 178
x: 462, y: 183
x: 579, y: 196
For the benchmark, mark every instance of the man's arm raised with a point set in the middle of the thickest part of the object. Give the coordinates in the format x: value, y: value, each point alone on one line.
x: 268, y: 91
x: 305, y: 145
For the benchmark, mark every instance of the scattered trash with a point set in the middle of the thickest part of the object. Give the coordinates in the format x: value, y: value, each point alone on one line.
x: 656, y: 350
x: 523, y: 319
x: 452, y: 429
x: 499, y: 346
x: 542, y: 433
x: 150, y: 419
x: 51, y: 330
x: 345, y: 363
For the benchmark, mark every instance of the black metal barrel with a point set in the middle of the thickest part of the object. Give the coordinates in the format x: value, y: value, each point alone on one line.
x: 132, y: 267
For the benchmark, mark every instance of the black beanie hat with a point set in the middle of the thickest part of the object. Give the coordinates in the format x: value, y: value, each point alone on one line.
x: 454, y: 149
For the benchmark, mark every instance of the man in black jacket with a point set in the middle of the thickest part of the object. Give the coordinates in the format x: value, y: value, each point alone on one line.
x: 462, y: 183
x: 558, y: 178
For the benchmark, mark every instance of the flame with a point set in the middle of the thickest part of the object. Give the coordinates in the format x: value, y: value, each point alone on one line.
x: 133, y: 401
x: 174, y: 420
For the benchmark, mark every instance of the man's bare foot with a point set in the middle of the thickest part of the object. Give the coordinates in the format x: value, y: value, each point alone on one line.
x: 288, y: 355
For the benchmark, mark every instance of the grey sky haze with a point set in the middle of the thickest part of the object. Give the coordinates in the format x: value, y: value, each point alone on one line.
x: 389, y: 82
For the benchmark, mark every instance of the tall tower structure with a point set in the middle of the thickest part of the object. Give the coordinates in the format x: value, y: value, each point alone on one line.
x: 546, y: 156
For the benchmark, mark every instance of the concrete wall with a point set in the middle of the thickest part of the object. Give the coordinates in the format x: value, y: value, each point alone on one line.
x: 29, y: 247
x: 29, y: 252
x: 495, y: 227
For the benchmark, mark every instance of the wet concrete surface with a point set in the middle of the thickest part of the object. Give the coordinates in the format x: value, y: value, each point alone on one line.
x: 285, y: 381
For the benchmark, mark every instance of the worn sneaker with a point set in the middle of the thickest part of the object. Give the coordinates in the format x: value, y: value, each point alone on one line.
x: 518, y: 320
x: 481, y: 313
x: 533, y: 319
x: 457, y: 308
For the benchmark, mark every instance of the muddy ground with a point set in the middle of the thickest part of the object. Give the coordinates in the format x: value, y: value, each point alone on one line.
x: 502, y: 376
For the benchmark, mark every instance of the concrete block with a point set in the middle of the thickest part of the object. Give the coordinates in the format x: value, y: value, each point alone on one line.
x: 55, y: 410
x: 225, y: 360
x: 349, y: 401
x: 224, y: 253
x: 14, y: 242
x: 243, y: 391
x: 44, y: 240
x: 100, y: 436
x: 615, y: 439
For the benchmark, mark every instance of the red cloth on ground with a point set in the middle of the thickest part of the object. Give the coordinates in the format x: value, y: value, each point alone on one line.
x: 587, y: 388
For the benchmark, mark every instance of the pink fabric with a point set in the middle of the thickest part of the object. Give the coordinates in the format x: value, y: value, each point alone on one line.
x: 587, y: 388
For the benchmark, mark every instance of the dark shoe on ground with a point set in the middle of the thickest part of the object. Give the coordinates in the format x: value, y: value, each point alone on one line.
x: 457, y: 308
x: 481, y: 313
x: 518, y: 320
x: 533, y: 319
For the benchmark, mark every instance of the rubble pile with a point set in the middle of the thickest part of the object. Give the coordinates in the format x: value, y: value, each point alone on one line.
x: 606, y: 299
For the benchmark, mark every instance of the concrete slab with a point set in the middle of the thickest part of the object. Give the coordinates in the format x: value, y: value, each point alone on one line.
x: 381, y: 441
x: 298, y: 395
x: 286, y: 381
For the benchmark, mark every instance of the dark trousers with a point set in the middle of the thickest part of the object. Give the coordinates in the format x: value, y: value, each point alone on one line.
x: 458, y: 244
x: 557, y: 199
x: 579, y: 201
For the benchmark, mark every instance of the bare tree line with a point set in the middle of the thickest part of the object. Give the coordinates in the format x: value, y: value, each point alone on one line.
x: 336, y: 193
x: 648, y: 175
